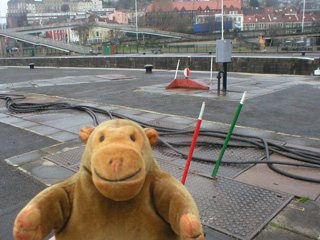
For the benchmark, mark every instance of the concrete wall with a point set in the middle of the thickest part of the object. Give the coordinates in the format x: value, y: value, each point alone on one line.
x: 294, y: 66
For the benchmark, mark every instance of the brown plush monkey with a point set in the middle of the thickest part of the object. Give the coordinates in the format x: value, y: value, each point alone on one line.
x: 119, y: 193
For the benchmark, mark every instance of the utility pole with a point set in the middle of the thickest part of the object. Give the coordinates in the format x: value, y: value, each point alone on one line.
x: 222, y: 23
x: 136, y: 6
x: 304, y: 8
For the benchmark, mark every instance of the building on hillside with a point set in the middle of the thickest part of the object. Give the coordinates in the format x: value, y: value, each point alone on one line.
x: 21, y: 6
x: 59, y: 35
x: 119, y: 17
x: 277, y: 21
x: 96, y: 5
x: 233, y: 15
x: 47, y: 18
x: 132, y: 16
x: 295, y: 20
x: 194, y: 12
x: 199, y: 6
x: 248, y: 11
x: 15, y: 20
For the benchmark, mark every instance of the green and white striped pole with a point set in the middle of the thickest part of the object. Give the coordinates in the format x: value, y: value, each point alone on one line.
x: 216, y: 168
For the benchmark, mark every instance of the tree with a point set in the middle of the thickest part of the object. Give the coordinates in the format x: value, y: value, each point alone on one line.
x: 162, y: 15
x: 83, y: 30
x: 65, y: 8
x: 254, y: 3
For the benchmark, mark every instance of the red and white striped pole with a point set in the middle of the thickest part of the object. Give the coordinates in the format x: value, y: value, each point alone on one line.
x: 193, y: 144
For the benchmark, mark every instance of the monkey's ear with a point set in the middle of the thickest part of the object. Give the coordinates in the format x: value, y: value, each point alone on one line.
x: 152, y: 135
x: 85, y: 133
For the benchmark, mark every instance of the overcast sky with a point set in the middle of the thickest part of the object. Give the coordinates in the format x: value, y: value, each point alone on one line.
x: 3, y: 7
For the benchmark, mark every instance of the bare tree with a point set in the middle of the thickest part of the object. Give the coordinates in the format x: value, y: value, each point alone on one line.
x: 162, y: 15
x: 83, y: 30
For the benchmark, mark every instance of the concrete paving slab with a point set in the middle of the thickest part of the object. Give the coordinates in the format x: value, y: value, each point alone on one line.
x: 25, y: 158
x: 261, y: 175
x: 46, y: 172
x: 60, y: 147
x: 46, y: 116
x: 26, y: 124
x: 127, y: 111
x: 11, y: 120
x: 2, y: 115
x: 74, y: 120
x: 179, y: 120
x: 302, y: 218
x: 44, y: 130
x: 276, y: 232
x: 64, y: 136
x: 151, y: 116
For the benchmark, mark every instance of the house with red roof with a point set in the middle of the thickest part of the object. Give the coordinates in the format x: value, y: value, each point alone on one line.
x: 200, y: 11
x: 274, y: 21
x: 197, y: 6
x: 295, y: 20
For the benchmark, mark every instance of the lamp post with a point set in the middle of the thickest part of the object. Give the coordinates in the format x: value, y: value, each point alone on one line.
x: 136, y: 7
x: 222, y: 23
x: 304, y: 8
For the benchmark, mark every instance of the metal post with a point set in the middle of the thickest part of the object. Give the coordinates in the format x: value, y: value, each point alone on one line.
x: 193, y: 144
x: 175, y: 76
x: 211, y: 68
x: 304, y: 8
x: 225, y: 70
x: 2, y: 51
x: 216, y: 168
x: 136, y: 6
x: 222, y: 23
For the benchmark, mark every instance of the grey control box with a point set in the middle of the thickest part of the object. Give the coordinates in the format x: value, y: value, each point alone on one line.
x: 224, y: 51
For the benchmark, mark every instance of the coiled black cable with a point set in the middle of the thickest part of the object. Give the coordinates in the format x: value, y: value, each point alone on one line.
x: 311, y: 158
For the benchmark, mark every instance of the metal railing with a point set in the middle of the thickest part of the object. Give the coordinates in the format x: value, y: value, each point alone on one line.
x: 46, y: 42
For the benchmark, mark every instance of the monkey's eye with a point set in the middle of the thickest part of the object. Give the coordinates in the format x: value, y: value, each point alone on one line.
x: 132, y: 138
x: 101, y: 138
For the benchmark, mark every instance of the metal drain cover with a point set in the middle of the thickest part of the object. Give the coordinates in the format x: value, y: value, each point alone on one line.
x: 69, y: 159
x: 229, y: 206
x: 232, y: 207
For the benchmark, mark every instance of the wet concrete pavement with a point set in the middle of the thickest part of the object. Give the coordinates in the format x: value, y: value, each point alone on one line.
x: 279, y: 107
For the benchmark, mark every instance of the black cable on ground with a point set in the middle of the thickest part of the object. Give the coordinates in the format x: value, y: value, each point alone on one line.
x: 311, y: 158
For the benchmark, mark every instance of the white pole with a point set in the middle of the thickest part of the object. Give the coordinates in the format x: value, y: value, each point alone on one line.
x: 175, y: 76
x: 211, y: 68
x: 304, y: 8
x: 136, y: 6
x: 222, y: 26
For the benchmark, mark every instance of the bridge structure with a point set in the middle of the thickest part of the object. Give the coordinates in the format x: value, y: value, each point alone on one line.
x: 44, y: 43
x: 26, y: 34
x: 119, y: 27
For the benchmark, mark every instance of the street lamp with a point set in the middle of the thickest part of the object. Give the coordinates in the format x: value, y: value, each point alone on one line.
x: 304, y: 8
x: 136, y: 6
x: 222, y: 25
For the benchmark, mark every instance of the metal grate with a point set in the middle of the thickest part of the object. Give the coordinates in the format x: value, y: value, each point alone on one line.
x: 229, y: 206
x: 232, y: 153
x: 69, y: 159
x: 232, y: 207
